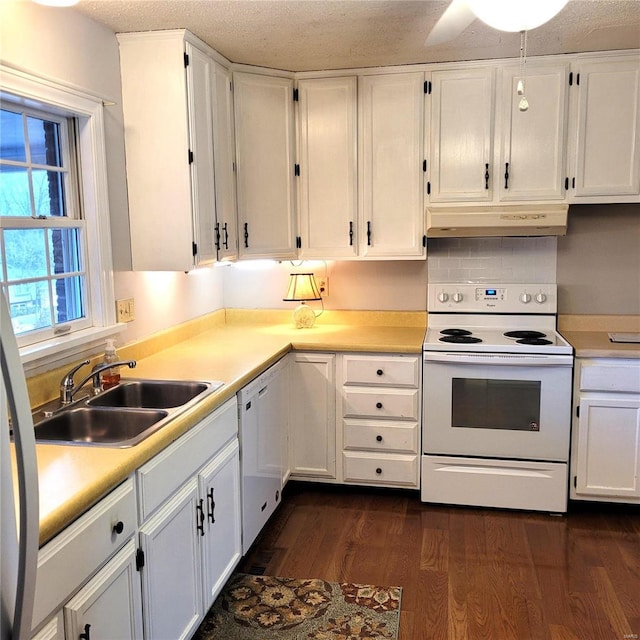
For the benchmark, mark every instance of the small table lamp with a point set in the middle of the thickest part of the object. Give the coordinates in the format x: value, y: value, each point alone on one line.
x: 302, y: 286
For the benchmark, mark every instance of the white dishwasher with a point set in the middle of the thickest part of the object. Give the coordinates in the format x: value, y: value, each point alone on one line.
x: 263, y: 424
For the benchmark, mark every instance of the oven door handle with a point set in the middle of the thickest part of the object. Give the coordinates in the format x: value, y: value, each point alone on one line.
x: 499, y: 359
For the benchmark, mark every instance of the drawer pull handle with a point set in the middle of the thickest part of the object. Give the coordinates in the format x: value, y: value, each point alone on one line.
x: 378, y: 470
x: 86, y: 635
x: 378, y: 405
x: 118, y: 527
x: 379, y: 438
x: 380, y: 372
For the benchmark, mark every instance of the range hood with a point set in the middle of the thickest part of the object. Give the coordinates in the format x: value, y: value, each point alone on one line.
x: 497, y: 220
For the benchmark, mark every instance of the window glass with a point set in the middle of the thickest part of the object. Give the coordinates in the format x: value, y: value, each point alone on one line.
x: 42, y: 248
x: 12, y: 145
x: 15, y: 195
x: 44, y: 142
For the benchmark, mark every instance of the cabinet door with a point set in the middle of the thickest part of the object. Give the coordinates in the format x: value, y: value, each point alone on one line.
x: 391, y: 158
x: 459, y: 163
x: 609, y: 447
x: 222, y: 545
x: 313, y: 415
x: 156, y: 128
x: 606, y: 160
x: 265, y: 167
x: 171, y: 576
x: 109, y: 605
x: 328, y: 162
x: 53, y: 630
x: 224, y: 158
x: 203, y: 199
x: 534, y: 141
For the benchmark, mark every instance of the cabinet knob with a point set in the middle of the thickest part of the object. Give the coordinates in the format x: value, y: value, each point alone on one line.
x: 380, y: 372
x: 378, y: 405
x: 118, y: 527
x: 378, y: 470
x: 379, y: 438
x: 86, y: 635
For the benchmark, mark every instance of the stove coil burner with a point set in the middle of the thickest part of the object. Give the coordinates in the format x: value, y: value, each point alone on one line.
x: 460, y: 339
x: 455, y: 332
x: 534, y: 341
x: 525, y: 335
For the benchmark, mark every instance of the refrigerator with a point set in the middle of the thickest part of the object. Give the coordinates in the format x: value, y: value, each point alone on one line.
x: 19, y: 532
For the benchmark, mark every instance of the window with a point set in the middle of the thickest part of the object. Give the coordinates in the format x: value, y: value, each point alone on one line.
x: 42, y: 236
x: 55, y: 245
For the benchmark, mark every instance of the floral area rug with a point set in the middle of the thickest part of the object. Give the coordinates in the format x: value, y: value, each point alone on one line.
x: 265, y: 608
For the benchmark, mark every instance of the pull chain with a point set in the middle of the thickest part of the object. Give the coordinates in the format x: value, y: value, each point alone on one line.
x: 523, y: 105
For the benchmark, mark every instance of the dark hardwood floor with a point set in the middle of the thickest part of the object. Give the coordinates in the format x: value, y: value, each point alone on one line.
x: 466, y: 573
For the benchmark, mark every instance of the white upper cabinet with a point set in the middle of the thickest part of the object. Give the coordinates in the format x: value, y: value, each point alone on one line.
x: 391, y: 178
x: 327, y: 151
x: 224, y: 154
x: 167, y: 107
x: 265, y: 165
x: 460, y: 131
x: 533, y: 142
x: 605, y: 150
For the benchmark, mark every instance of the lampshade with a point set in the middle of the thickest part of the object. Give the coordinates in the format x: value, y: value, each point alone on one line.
x: 515, y: 15
x: 302, y: 286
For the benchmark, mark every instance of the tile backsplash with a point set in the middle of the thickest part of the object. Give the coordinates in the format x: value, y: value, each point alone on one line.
x: 508, y: 260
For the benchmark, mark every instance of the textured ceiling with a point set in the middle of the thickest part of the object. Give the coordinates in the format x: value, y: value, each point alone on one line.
x: 306, y: 35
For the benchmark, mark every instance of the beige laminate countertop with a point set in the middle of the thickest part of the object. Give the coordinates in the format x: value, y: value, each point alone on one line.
x: 73, y: 478
x: 596, y: 344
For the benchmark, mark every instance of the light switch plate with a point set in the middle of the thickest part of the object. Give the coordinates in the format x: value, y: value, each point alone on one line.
x: 125, y: 310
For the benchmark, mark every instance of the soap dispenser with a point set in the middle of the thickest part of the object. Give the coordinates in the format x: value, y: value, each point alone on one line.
x: 110, y: 377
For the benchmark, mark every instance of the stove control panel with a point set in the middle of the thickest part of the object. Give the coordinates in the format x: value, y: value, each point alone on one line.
x: 494, y: 298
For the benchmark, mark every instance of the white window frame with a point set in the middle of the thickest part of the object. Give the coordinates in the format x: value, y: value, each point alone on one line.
x: 38, y: 93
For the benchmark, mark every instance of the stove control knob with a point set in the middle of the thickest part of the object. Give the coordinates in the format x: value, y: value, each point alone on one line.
x: 541, y: 298
x: 457, y: 297
x: 443, y: 296
x: 525, y: 298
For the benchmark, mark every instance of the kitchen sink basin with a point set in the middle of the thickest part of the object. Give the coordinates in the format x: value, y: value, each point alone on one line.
x: 100, y: 426
x: 152, y: 394
x: 122, y: 416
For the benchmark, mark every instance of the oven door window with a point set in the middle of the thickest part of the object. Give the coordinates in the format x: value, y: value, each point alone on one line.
x: 512, y: 405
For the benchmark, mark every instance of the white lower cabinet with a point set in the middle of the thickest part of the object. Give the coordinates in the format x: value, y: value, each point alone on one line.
x: 605, y: 463
x: 381, y: 411
x: 80, y: 553
x: 312, y: 434
x: 109, y: 605
x: 190, y: 504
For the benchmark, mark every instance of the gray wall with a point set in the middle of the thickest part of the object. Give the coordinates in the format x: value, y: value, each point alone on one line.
x: 599, y: 261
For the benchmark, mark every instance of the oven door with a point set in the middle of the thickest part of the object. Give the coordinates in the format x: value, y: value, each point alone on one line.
x: 497, y: 405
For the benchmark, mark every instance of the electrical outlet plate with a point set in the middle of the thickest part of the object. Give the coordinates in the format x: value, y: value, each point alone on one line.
x: 323, y: 286
x: 125, y: 310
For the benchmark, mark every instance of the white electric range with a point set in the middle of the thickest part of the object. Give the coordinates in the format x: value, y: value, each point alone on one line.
x: 496, y: 398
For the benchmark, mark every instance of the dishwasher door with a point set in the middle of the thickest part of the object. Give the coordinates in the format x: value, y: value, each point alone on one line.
x: 262, y: 432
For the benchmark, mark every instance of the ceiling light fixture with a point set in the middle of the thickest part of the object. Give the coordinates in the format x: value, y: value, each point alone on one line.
x: 515, y: 15
x: 57, y: 3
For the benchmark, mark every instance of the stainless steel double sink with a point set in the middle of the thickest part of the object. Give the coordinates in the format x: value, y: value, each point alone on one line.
x: 122, y: 416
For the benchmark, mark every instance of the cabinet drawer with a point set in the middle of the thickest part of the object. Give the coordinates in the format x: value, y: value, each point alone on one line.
x: 386, y: 469
x: 379, y: 403
x: 611, y: 376
x: 391, y: 371
x: 67, y: 561
x: 164, y: 474
x: 382, y: 435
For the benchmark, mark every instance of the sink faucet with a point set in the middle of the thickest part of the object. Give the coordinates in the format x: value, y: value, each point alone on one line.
x: 68, y: 388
